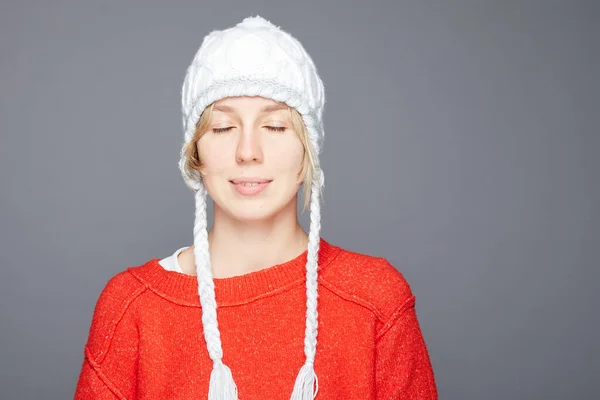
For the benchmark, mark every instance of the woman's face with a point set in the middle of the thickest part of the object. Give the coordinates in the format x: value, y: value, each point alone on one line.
x: 251, y: 139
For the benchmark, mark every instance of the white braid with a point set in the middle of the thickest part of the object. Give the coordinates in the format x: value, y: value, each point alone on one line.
x: 303, y: 388
x: 222, y: 385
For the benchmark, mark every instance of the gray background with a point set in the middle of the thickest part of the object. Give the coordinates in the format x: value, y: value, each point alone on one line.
x: 461, y: 144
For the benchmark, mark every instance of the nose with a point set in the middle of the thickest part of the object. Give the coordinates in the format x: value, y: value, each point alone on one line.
x: 249, y: 147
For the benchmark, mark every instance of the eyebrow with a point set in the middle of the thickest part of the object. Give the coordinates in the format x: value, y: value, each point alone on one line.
x: 265, y: 109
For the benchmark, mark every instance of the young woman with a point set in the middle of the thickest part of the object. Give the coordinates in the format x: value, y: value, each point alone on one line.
x: 297, y: 317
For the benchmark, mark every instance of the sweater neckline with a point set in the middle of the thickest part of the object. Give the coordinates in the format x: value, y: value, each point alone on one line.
x: 182, y: 289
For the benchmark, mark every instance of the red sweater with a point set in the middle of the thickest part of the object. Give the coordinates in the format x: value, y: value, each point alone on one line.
x: 146, y: 341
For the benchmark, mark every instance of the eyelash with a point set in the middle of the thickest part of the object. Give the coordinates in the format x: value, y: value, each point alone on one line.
x: 271, y: 128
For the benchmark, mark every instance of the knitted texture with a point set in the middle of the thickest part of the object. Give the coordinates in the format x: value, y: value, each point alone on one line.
x: 143, y: 339
x: 253, y: 58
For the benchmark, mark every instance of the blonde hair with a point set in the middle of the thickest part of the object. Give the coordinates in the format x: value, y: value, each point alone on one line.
x: 193, y: 162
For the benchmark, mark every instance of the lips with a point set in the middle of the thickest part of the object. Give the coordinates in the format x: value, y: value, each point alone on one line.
x: 250, y: 180
x: 250, y: 187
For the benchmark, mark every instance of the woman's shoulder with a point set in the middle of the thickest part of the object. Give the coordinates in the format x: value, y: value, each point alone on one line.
x: 125, y: 283
x: 118, y: 291
x: 369, y: 280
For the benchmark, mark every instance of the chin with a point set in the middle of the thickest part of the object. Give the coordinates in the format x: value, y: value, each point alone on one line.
x: 257, y: 211
x: 254, y: 211
x: 254, y: 208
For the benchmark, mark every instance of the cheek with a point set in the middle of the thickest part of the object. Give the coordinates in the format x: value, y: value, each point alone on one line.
x: 214, y: 159
x: 290, y: 160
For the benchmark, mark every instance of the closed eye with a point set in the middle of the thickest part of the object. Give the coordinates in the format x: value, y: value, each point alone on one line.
x: 220, y: 130
x: 271, y: 128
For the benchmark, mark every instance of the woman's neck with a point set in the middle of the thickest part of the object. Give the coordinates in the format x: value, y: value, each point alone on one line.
x: 239, y: 254
x: 241, y: 247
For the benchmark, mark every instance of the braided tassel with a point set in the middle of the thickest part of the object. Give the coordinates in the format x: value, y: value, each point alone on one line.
x: 222, y: 385
x: 304, y: 388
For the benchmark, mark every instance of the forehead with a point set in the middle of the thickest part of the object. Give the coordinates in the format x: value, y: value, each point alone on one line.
x: 248, y: 103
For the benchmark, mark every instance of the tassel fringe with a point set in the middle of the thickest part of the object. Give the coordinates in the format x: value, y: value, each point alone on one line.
x: 222, y: 386
x: 306, y: 379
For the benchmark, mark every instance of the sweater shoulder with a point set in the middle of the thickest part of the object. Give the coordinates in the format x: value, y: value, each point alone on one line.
x: 112, y: 305
x: 370, y: 281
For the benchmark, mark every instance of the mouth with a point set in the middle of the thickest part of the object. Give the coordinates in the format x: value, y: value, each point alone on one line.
x: 250, y: 187
x: 249, y: 181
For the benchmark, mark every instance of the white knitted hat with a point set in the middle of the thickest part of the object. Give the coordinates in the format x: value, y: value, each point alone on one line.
x: 253, y: 58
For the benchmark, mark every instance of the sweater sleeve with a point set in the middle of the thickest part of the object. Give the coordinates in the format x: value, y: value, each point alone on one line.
x: 403, y: 368
x: 109, y: 369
